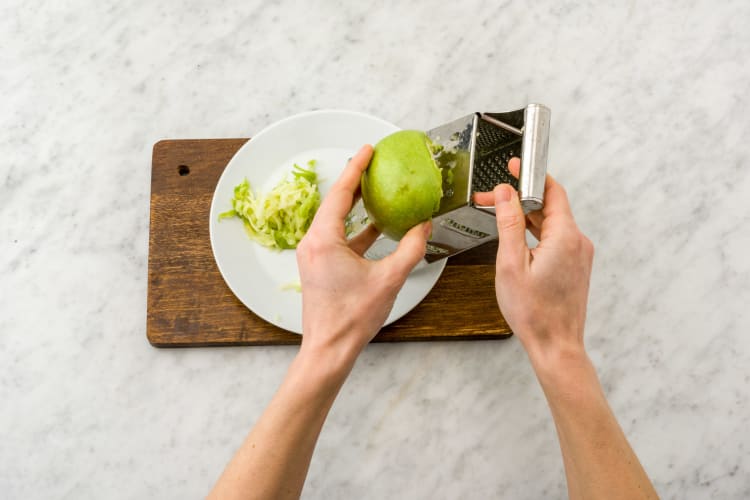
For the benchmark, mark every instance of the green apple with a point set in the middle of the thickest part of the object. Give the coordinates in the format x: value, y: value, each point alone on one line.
x: 402, y: 186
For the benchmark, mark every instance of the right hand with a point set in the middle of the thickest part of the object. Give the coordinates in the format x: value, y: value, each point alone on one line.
x: 542, y: 292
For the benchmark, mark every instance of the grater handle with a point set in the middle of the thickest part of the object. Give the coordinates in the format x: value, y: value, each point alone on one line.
x: 534, y: 152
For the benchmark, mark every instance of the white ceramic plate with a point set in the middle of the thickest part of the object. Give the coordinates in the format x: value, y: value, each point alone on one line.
x: 257, y: 275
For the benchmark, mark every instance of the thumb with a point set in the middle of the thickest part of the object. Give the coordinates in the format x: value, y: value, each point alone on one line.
x: 410, y: 250
x: 511, y: 227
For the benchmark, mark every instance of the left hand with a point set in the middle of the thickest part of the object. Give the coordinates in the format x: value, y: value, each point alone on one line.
x: 345, y: 297
x: 345, y: 301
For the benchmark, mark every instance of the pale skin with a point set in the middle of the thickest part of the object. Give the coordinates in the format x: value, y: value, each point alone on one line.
x: 542, y: 293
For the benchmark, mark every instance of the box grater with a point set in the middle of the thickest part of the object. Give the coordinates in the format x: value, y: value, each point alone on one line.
x: 473, y: 154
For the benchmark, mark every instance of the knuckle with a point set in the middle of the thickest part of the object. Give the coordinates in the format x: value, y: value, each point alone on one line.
x: 303, y: 251
x: 508, y: 278
x: 302, y: 245
x: 309, y: 246
x: 505, y: 267
x: 588, y: 246
x: 578, y: 244
x: 570, y: 243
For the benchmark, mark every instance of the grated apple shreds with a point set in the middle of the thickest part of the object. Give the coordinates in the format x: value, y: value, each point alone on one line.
x: 280, y: 218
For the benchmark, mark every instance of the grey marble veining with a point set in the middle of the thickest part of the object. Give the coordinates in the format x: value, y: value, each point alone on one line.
x: 650, y: 123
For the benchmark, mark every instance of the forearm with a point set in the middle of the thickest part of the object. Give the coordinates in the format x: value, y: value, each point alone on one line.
x: 274, y: 459
x: 599, y: 462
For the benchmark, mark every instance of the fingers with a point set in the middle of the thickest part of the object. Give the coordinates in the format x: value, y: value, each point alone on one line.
x: 534, y: 221
x: 410, y: 251
x: 349, y: 178
x: 339, y: 200
x: 362, y: 241
x: 534, y: 229
x: 488, y: 198
x: 484, y: 199
x: 514, y: 166
x: 512, y: 252
x: 554, y: 195
x: 555, y: 199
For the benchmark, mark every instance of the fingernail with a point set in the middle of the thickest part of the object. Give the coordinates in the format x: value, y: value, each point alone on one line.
x: 502, y: 193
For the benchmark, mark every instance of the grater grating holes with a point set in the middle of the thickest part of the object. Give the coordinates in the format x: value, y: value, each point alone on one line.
x: 494, y: 148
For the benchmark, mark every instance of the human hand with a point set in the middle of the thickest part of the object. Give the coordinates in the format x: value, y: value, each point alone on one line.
x: 542, y: 292
x: 345, y: 301
x: 345, y: 297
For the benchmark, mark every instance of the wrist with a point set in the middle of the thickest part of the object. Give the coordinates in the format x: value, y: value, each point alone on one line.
x: 563, y: 366
x: 328, y: 361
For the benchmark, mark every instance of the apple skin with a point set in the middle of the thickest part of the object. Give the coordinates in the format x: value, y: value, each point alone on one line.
x: 402, y: 185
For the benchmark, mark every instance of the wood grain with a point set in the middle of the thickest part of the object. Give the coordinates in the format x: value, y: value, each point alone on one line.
x: 190, y: 305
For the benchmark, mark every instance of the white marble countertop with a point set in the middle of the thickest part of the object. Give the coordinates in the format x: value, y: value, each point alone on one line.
x: 650, y: 132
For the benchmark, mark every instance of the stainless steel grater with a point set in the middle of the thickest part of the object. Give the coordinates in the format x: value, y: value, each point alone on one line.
x: 473, y: 153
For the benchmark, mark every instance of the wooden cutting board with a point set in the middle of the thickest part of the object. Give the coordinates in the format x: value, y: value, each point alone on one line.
x: 190, y: 305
